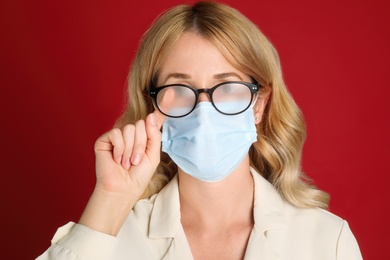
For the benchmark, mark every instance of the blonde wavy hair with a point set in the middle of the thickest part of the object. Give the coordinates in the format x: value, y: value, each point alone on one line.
x: 281, y: 133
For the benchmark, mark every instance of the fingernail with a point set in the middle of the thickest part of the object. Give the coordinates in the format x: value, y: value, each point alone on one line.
x: 136, y: 159
x: 153, y: 119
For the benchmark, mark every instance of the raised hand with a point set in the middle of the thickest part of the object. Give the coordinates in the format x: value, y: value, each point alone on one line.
x: 125, y: 162
x: 127, y: 158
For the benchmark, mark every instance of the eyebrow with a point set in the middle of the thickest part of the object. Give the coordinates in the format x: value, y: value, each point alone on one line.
x: 227, y: 75
x: 216, y: 76
x: 177, y: 76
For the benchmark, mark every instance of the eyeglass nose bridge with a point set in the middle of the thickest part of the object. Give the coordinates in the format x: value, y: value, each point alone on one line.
x: 207, y: 91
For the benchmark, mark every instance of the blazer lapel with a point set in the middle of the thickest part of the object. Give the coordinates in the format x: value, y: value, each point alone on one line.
x: 179, y: 248
x: 268, y: 215
x: 259, y: 247
x: 165, y: 217
x: 165, y: 226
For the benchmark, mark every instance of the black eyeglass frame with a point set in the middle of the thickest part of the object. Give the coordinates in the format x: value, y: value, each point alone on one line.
x: 253, y: 87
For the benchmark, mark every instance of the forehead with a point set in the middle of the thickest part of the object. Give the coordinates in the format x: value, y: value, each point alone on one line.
x: 194, y: 55
x: 191, y: 46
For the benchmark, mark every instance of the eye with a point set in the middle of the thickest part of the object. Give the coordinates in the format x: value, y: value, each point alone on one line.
x: 231, y: 89
x: 227, y: 88
x: 181, y: 91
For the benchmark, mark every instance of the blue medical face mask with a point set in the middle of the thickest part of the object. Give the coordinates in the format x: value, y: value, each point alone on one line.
x: 209, y: 145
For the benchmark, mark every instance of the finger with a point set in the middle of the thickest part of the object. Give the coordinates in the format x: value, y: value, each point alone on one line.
x: 128, y: 133
x: 139, y: 142
x: 165, y: 103
x: 154, y: 135
x: 158, y: 118
x: 115, y: 137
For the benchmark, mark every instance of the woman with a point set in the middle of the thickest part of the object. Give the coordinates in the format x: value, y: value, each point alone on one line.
x: 228, y: 183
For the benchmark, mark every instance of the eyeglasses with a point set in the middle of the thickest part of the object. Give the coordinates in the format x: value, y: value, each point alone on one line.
x: 228, y: 98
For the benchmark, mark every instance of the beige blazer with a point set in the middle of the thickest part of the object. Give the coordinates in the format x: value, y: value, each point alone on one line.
x: 153, y: 231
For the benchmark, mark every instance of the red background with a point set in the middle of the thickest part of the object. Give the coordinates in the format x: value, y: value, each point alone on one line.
x: 63, y: 71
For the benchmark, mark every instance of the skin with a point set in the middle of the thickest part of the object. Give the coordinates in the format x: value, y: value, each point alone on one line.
x: 127, y: 158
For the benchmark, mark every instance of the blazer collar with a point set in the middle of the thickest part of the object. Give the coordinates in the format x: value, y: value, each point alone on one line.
x: 268, y: 215
x: 165, y: 222
x: 268, y: 210
x: 165, y: 217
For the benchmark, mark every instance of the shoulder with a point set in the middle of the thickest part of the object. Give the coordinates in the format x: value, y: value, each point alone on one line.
x: 312, y: 217
x: 317, y: 226
x: 323, y: 231
x: 268, y: 201
x: 301, y: 233
x: 314, y: 233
